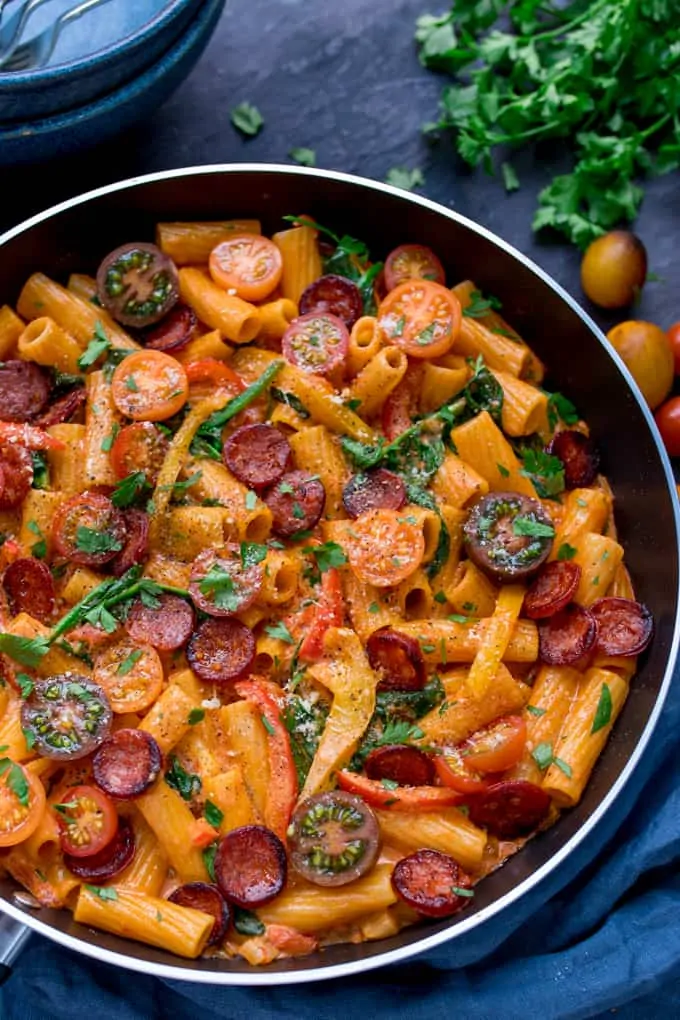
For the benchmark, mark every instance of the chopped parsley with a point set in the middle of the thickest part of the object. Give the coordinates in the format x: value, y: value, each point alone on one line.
x: 480, y: 306
x: 535, y: 710
x: 16, y: 780
x: 186, y: 784
x: 196, y: 715
x: 128, y: 664
x: 219, y: 585
x: 566, y: 551
x: 280, y: 632
x: 328, y: 555
x: 408, y: 180
x: 38, y: 549
x: 102, y: 893
x: 247, y: 119
x: 250, y: 500
x: 128, y: 489
x: 532, y: 529
x: 96, y: 542
x: 603, y: 712
x: 213, y: 815
x: 302, y: 156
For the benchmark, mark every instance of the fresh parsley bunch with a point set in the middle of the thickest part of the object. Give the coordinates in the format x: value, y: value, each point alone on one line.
x: 603, y: 76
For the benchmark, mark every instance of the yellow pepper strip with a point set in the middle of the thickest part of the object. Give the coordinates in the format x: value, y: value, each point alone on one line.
x: 346, y: 673
x: 174, y: 461
x: 496, y: 638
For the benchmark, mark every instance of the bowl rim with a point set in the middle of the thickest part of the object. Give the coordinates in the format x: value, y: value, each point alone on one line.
x: 18, y: 81
x: 126, y: 92
x: 263, y: 978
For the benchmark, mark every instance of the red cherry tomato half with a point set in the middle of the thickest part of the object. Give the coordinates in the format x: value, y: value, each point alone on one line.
x: 412, y: 262
x: 673, y: 334
x: 139, y: 447
x: 421, y: 317
x: 453, y: 771
x: 667, y: 419
x: 316, y: 343
x: 88, y: 821
x: 497, y: 747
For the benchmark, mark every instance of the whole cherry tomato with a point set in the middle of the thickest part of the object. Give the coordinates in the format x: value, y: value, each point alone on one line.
x: 667, y: 419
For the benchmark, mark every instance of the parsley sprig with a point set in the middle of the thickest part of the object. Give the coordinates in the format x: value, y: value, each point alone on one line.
x: 96, y: 608
x: 603, y: 77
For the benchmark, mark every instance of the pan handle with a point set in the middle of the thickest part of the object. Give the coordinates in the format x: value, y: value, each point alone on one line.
x: 13, y: 936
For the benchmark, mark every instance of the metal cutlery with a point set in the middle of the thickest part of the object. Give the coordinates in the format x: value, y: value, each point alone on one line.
x: 18, y: 56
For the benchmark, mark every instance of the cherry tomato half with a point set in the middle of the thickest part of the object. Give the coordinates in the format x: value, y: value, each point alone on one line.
x: 384, y: 548
x: 453, y: 771
x: 316, y: 343
x: 88, y: 821
x: 139, y: 447
x: 497, y: 747
x: 673, y: 334
x: 209, y: 374
x: 137, y: 284
x: 131, y: 675
x: 88, y: 530
x: 247, y: 263
x: 22, y: 802
x: 149, y: 386
x: 667, y: 419
x: 421, y: 317
x: 412, y: 262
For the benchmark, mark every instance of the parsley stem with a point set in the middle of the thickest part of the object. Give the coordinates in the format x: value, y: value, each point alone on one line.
x: 237, y: 404
x: 565, y: 26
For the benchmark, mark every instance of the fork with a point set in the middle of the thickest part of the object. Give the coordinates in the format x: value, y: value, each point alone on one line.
x: 12, y: 29
x: 38, y: 50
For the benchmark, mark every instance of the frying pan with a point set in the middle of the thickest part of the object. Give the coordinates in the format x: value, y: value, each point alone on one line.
x: 74, y: 235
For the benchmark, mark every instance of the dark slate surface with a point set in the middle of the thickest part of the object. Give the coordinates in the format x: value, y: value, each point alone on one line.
x: 341, y: 77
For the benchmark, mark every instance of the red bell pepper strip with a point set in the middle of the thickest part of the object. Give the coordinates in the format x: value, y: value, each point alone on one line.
x: 328, y: 612
x: 283, y: 786
x: 401, y: 798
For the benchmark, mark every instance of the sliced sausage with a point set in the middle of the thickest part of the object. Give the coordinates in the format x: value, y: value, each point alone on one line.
x: 508, y: 536
x: 624, y: 626
x: 62, y: 409
x: 379, y: 489
x: 221, y: 650
x: 552, y: 590
x: 296, y: 503
x: 136, y: 547
x: 127, y: 763
x: 16, y: 475
x: 402, y: 764
x: 579, y: 455
x: 250, y: 866
x: 509, y: 809
x: 209, y: 899
x: 398, y: 659
x: 430, y: 881
x: 167, y: 626
x: 567, y: 636
x: 30, y: 588
x: 336, y: 295
x: 110, y: 861
x: 24, y: 390
x: 174, y: 331
x: 224, y: 585
x: 333, y: 838
x: 258, y: 455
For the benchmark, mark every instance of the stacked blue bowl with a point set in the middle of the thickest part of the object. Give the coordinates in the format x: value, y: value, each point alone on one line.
x: 74, y: 72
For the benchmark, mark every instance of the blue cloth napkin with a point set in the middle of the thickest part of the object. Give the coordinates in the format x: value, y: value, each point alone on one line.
x: 601, y: 934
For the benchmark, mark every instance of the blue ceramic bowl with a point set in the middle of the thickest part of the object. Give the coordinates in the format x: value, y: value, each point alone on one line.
x: 102, y: 50
x: 64, y: 134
